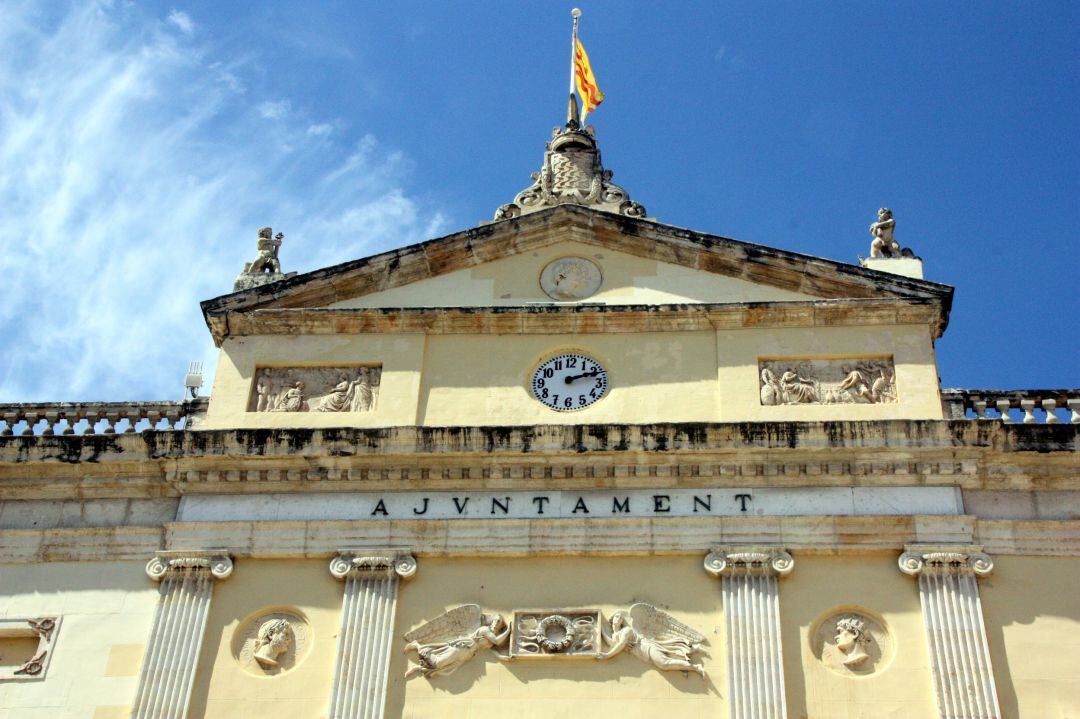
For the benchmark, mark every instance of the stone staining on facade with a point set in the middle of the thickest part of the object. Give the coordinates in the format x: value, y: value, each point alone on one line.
x: 832, y: 381
x: 955, y: 631
x: 367, y: 627
x: 315, y: 389
x: 266, y: 267
x: 172, y: 652
x: 752, y: 614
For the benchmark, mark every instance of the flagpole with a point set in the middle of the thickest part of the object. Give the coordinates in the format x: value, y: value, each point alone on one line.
x: 572, y: 111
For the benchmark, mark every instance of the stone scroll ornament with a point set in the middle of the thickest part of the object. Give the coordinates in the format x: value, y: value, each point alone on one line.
x: 315, y: 389
x: 839, y: 381
x: 655, y: 637
x: 450, y: 640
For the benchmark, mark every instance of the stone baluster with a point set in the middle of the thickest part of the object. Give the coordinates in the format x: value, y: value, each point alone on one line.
x: 172, y: 653
x: 952, y: 613
x: 1049, y: 405
x: 1003, y: 408
x: 1074, y: 408
x: 979, y: 407
x: 752, y: 618
x: 367, y: 627
x: 1028, y: 407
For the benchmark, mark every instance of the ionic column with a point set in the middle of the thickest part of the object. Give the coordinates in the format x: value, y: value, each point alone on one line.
x: 367, y: 627
x: 952, y: 614
x: 752, y: 615
x: 172, y: 653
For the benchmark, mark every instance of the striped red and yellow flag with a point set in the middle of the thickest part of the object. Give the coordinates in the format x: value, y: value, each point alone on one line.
x: 591, y: 97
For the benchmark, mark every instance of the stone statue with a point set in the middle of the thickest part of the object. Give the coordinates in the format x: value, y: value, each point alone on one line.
x: 883, y: 244
x: 266, y: 267
x: 452, y: 639
x: 272, y: 641
x: 850, y: 638
x: 654, y: 637
x: 263, y: 388
x: 292, y: 400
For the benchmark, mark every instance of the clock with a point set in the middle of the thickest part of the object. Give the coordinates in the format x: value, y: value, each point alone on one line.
x: 568, y: 382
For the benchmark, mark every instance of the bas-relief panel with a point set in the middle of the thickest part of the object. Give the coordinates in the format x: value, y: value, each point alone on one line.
x: 827, y: 381
x: 315, y: 389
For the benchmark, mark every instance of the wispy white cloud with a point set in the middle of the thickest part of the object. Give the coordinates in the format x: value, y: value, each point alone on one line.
x: 273, y: 110
x: 127, y: 198
x: 182, y: 21
x: 322, y: 129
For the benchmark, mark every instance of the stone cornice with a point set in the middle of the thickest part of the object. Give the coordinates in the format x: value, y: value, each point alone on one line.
x: 969, y: 454
x: 755, y: 263
x: 806, y: 535
x: 576, y: 319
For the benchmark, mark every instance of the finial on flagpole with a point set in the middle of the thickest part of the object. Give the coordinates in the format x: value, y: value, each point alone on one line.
x: 576, y: 12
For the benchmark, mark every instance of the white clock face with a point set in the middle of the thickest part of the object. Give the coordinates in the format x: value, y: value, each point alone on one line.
x: 569, y: 381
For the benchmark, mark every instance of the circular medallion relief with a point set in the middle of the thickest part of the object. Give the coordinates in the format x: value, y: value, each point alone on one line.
x: 271, y: 642
x: 851, y: 642
x: 570, y: 278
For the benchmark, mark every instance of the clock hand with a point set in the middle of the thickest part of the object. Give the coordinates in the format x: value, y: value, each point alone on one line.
x: 573, y: 377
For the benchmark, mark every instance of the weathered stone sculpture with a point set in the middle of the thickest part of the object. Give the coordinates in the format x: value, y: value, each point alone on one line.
x: 452, y: 639
x: 272, y: 641
x: 883, y: 244
x: 850, y: 631
x: 572, y: 173
x: 654, y: 637
x: 266, y: 267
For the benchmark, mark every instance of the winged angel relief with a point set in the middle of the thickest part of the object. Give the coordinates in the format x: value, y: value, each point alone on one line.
x: 453, y: 638
x: 655, y: 637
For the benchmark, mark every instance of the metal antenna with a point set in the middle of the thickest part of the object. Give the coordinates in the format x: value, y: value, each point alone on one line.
x: 194, y: 379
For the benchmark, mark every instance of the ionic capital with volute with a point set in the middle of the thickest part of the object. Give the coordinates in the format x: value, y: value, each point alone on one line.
x: 370, y: 563
x: 216, y: 562
x: 748, y: 561
x: 945, y: 559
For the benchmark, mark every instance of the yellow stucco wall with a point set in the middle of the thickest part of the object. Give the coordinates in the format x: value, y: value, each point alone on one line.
x: 627, y: 279
x: 441, y: 380
x: 1031, y: 606
x: 223, y: 690
x: 106, y: 611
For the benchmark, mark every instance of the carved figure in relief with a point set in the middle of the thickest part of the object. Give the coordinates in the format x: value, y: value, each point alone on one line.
x: 452, y: 639
x: 654, y: 637
x: 864, y: 386
x: 272, y: 641
x: 292, y: 400
x: 339, y: 398
x: 799, y: 390
x: 363, y: 399
x: 850, y: 639
x: 263, y: 388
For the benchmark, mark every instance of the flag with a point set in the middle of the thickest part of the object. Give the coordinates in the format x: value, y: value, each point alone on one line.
x: 587, y: 88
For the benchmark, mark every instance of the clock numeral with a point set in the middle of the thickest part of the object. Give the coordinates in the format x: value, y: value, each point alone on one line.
x: 539, y: 383
x: 558, y: 364
x: 592, y: 393
x: 581, y: 400
x: 544, y: 394
x: 549, y: 373
x: 568, y: 402
x: 556, y: 400
x: 599, y: 383
x: 571, y: 362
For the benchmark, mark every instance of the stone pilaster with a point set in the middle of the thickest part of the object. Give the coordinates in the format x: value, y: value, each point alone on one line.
x: 172, y: 652
x: 752, y: 617
x: 367, y: 627
x: 952, y: 613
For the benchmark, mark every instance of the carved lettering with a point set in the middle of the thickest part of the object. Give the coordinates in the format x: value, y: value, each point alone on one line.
x: 580, y: 506
x: 623, y: 506
x: 705, y: 504
x: 661, y: 503
x: 539, y: 502
x: 742, y: 499
x: 460, y: 504
x: 496, y: 503
x: 422, y: 511
x: 380, y: 508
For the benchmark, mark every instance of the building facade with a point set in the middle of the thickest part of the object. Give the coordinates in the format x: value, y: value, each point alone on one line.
x: 571, y: 462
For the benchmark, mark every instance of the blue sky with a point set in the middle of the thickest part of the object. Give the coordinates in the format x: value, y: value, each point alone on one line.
x: 142, y: 145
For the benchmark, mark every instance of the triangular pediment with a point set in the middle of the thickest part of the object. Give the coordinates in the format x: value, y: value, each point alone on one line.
x: 641, y: 262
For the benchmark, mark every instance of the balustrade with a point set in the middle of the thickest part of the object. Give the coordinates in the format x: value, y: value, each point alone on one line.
x: 60, y: 418
x: 1029, y: 406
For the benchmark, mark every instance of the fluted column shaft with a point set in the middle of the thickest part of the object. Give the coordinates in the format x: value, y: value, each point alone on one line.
x: 367, y: 627
x: 955, y: 632
x: 172, y: 653
x: 752, y: 617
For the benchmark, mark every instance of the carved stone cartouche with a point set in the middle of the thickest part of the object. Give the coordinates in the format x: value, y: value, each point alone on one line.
x: 572, y: 173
